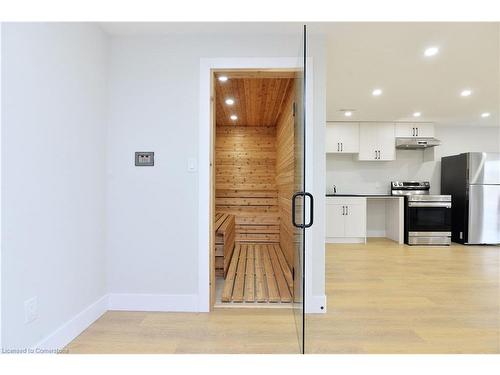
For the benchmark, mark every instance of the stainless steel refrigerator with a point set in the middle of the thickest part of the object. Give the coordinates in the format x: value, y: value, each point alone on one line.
x: 473, y: 181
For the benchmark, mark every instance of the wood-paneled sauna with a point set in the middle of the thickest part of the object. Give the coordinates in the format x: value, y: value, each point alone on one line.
x: 254, y: 183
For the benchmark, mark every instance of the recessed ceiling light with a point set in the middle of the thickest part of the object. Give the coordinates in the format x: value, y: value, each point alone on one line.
x: 417, y: 114
x: 377, y: 92
x: 431, y: 51
x: 485, y: 114
x: 223, y: 78
x: 233, y: 117
x: 466, y: 92
x: 229, y: 101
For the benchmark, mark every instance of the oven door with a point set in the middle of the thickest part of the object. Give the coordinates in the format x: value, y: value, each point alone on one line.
x: 429, y: 217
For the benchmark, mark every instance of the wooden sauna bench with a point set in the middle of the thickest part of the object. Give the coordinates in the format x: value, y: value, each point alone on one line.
x: 258, y: 273
x: 224, y: 242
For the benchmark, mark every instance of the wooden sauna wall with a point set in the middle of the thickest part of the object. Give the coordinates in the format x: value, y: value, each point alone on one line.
x: 245, y: 173
x: 285, y: 169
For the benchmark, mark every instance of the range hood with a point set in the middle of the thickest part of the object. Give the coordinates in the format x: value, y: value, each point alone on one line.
x: 416, y: 143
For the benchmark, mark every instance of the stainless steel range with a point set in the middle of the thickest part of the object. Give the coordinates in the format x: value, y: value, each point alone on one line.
x: 427, y: 217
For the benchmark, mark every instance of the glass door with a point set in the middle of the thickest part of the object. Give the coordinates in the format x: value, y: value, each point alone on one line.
x: 300, y: 198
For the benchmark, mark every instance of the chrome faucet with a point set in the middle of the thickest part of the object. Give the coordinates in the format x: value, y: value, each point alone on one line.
x: 334, y: 189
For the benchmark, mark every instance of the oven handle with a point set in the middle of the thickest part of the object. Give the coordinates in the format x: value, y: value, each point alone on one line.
x: 430, y: 204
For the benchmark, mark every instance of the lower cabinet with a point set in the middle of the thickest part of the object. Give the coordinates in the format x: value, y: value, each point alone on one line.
x: 345, y: 219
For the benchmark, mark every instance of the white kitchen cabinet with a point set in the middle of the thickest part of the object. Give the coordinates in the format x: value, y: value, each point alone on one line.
x: 335, y: 217
x: 377, y: 141
x: 415, y: 130
x: 345, y: 219
x: 342, y: 137
x: 355, y: 220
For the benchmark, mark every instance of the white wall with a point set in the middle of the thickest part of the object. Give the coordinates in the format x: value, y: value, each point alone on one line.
x: 152, y: 212
x: 78, y: 219
x: 352, y: 176
x: 315, y: 249
x: 53, y: 174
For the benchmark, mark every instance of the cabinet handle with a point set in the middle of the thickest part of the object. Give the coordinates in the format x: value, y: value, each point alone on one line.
x: 343, y: 210
x: 378, y: 154
x: 417, y: 131
x: 338, y: 146
x: 347, y: 210
x: 342, y: 146
x: 375, y: 154
x: 413, y: 133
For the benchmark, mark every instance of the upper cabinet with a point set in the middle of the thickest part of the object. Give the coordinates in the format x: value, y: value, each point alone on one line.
x: 372, y: 141
x: 415, y: 130
x: 377, y: 141
x: 342, y: 137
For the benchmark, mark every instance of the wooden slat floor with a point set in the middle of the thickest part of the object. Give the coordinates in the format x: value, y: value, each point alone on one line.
x: 381, y: 298
x: 258, y: 273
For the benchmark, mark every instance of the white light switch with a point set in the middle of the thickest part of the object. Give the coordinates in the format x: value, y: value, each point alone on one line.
x: 192, y: 166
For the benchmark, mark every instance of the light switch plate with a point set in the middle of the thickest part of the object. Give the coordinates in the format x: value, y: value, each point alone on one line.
x: 144, y: 159
x: 192, y: 166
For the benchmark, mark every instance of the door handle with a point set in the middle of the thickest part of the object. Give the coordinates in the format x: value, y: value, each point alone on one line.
x: 311, y: 210
x: 294, y: 197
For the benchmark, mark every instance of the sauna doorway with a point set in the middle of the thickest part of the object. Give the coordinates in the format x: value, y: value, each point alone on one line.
x: 252, y: 252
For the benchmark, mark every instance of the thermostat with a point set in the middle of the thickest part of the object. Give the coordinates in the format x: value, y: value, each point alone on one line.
x: 144, y: 159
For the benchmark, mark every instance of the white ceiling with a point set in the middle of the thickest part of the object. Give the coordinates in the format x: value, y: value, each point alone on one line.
x: 190, y: 28
x: 363, y: 56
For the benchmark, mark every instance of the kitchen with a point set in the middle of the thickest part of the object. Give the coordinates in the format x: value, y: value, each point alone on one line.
x: 379, y: 211
x: 388, y: 141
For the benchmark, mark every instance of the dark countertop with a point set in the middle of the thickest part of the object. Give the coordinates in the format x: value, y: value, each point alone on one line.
x: 365, y: 195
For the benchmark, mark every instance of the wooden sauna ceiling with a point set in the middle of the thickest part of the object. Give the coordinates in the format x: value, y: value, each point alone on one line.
x: 257, y: 101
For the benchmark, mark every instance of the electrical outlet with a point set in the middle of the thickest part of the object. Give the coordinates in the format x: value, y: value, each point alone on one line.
x: 30, y: 310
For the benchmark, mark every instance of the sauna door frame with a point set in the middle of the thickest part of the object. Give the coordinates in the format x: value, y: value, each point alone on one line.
x: 206, y: 147
x: 239, y: 73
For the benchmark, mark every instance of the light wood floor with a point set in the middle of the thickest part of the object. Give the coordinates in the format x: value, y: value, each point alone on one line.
x: 382, y: 298
x: 389, y: 298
